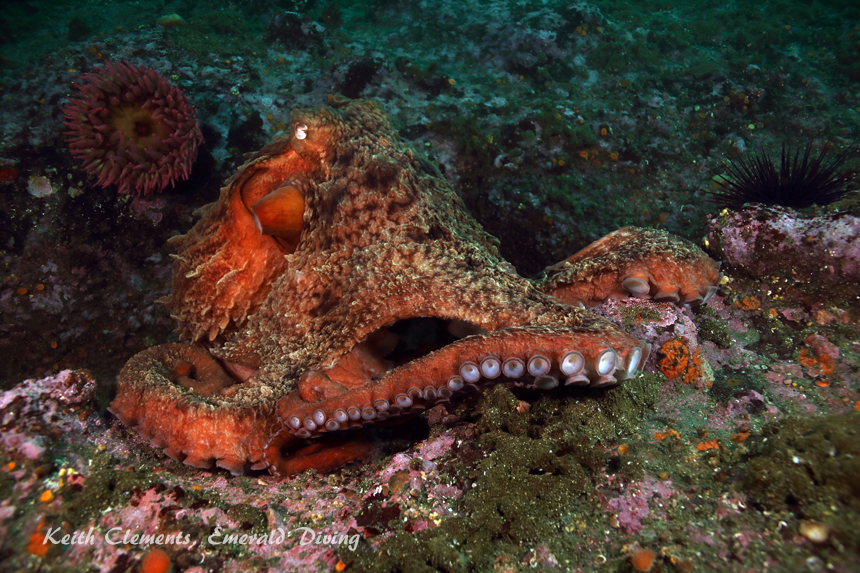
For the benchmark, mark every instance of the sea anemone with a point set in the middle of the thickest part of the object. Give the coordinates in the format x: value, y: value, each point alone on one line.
x: 797, y: 183
x: 132, y: 128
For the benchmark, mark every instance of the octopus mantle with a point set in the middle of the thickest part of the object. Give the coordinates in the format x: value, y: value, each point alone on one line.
x: 338, y: 282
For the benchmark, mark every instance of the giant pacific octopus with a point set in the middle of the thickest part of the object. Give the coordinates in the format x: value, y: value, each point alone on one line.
x: 339, y: 282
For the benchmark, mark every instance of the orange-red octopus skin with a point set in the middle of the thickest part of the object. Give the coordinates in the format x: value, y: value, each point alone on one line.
x: 338, y: 282
x: 642, y: 263
x: 227, y: 430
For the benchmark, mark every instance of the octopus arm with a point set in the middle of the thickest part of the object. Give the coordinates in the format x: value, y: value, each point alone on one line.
x: 643, y: 263
x: 596, y: 354
x: 179, y: 398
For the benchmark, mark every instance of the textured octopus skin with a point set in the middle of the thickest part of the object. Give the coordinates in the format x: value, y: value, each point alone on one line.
x: 288, y: 330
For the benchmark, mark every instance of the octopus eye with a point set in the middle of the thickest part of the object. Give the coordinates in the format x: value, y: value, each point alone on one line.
x: 280, y: 212
x: 301, y: 131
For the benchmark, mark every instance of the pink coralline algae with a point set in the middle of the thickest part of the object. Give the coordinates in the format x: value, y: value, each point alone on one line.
x: 632, y: 507
x: 654, y: 323
x: 56, y: 414
x: 39, y: 186
x: 762, y: 240
x: 69, y: 387
x: 34, y: 404
x: 820, y: 357
x: 542, y: 557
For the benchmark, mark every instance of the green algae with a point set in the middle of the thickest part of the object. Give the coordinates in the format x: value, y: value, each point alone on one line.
x: 716, y: 330
x: 636, y: 314
x: 199, y: 40
x: 727, y: 385
x: 104, y: 487
x: 7, y: 482
x: 542, y: 461
x: 108, y: 486
x: 807, y: 468
x: 620, y: 57
x: 251, y: 520
x: 808, y: 465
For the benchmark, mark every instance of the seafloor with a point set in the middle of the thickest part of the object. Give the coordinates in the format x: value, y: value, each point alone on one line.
x: 557, y: 122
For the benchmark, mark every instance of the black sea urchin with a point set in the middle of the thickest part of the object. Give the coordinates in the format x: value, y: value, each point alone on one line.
x: 797, y: 183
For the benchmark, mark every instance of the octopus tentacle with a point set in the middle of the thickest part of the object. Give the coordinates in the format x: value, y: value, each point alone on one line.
x: 542, y: 357
x: 227, y: 427
x: 285, y: 454
x: 643, y: 263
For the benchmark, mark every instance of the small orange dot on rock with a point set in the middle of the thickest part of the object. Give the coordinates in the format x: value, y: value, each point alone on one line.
x: 643, y: 559
x: 22, y: 291
x: 827, y: 365
x: 622, y: 449
x: 40, y: 286
x: 156, y: 561
x: 37, y: 545
x: 660, y: 436
x: 712, y: 445
x: 749, y: 303
x: 47, y: 495
x: 805, y: 359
